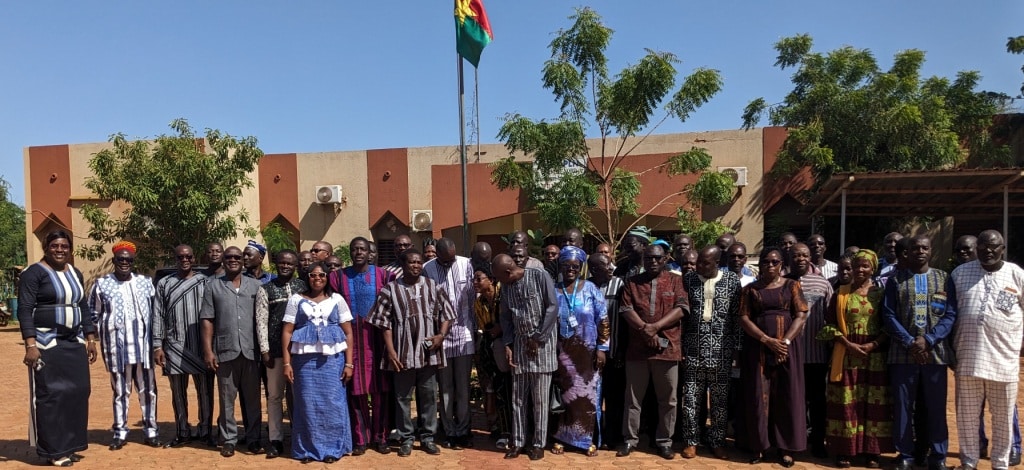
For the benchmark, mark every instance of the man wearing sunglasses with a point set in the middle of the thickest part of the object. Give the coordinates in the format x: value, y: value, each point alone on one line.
x: 230, y: 315
x: 177, y: 346
x: 120, y: 304
x: 321, y: 250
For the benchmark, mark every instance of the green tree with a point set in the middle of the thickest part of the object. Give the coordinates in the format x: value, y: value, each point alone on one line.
x: 177, y: 188
x: 564, y: 178
x: 845, y: 113
x: 277, y: 238
x: 12, y: 228
x: 1015, y: 45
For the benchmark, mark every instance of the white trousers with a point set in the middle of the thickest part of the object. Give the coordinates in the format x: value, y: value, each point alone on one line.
x: 971, y: 394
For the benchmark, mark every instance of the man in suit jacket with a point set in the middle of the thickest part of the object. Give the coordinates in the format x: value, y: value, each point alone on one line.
x: 233, y: 329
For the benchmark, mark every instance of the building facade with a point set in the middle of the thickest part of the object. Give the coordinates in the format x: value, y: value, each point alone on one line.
x: 381, y: 190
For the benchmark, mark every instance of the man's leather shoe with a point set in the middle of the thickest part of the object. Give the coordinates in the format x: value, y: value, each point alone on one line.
x: 358, y: 450
x: 535, y: 453
x: 1014, y: 458
x: 228, y: 450
x: 207, y: 440
x: 430, y: 448
x: 466, y: 441
x: 383, y: 447
x: 689, y: 452
x: 255, y: 448
x: 904, y: 464
x: 513, y: 452
x: 116, y: 444
x: 405, y: 450
x: 667, y: 453
x: 938, y: 466
x: 177, y: 442
x: 272, y: 451
x: 151, y: 441
x: 719, y: 453
x: 625, y: 450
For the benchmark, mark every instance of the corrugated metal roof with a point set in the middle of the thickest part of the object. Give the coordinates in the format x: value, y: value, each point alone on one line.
x: 950, y: 192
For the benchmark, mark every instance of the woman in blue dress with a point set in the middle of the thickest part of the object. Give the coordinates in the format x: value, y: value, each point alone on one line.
x: 318, y: 332
x: 583, y: 340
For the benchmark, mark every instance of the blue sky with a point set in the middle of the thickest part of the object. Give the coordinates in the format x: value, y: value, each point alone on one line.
x: 344, y: 75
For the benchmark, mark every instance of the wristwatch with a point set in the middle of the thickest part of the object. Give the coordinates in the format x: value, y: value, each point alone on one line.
x: 785, y: 341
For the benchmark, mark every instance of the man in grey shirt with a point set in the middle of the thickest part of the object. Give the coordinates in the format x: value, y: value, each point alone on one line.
x: 233, y: 329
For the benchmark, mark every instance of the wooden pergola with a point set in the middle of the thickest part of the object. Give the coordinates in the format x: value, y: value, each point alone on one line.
x: 939, y: 193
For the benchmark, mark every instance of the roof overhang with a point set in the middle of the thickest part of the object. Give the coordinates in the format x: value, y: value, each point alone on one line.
x: 940, y: 193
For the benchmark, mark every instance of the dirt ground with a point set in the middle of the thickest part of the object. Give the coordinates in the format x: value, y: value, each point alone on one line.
x: 16, y: 453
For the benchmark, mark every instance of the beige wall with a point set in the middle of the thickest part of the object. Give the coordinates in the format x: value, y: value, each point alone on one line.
x: 349, y: 169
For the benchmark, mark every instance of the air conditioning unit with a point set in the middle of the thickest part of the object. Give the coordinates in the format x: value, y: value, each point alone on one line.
x: 737, y: 173
x: 330, y: 194
x: 422, y: 221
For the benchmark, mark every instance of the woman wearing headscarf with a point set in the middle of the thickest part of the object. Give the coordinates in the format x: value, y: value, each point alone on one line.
x: 772, y: 313
x: 583, y: 340
x: 859, y: 405
x: 60, y: 343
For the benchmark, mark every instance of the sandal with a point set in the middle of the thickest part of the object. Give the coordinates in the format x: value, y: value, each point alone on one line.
x: 592, y: 451
x: 76, y: 457
x: 62, y: 462
x: 873, y: 462
x: 786, y: 460
x: 557, y: 449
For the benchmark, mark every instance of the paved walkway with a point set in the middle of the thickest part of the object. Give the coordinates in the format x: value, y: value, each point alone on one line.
x: 16, y: 453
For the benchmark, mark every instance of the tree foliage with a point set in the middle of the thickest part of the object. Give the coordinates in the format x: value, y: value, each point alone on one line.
x: 845, y: 113
x: 12, y: 229
x: 1015, y: 45
x: 177, y: 188
x: 561, y: 178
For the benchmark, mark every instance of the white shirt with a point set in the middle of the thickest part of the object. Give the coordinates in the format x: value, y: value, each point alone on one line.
x: 990, y: 320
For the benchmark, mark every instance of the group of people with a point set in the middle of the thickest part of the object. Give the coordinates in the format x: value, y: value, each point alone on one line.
x: 794, y: 352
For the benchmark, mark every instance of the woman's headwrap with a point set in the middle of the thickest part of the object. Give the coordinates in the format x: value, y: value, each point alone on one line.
x: 123, y: 245
x: 572, y: 253
x: 869, y: 255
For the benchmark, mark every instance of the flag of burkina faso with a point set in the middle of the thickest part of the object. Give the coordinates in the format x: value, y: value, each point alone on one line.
x: 472, y: 29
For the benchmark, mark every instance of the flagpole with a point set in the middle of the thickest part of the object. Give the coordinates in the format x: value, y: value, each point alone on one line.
x: 462, y: 158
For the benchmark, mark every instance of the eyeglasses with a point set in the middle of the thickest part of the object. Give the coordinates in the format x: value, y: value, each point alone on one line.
x: 185, y: 257
x: 403, y: 245
x: 333, y: 265
x: 123, y: 259
x: 771, y: 262
x: 320, y: 275
x: 232, y: 257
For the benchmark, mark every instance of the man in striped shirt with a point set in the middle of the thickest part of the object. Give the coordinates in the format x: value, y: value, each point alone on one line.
x: 121, y: 305
x: 454, y: 274
x: 177, y: 346
x: 528, y: 314
x: 414, y: 314
x: 818, y: 292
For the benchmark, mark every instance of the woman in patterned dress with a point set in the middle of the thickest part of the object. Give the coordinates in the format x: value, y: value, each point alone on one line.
x: 583, y: 340
x: 60, y: 343
x: 859, y: 405
x: 318, y: 330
